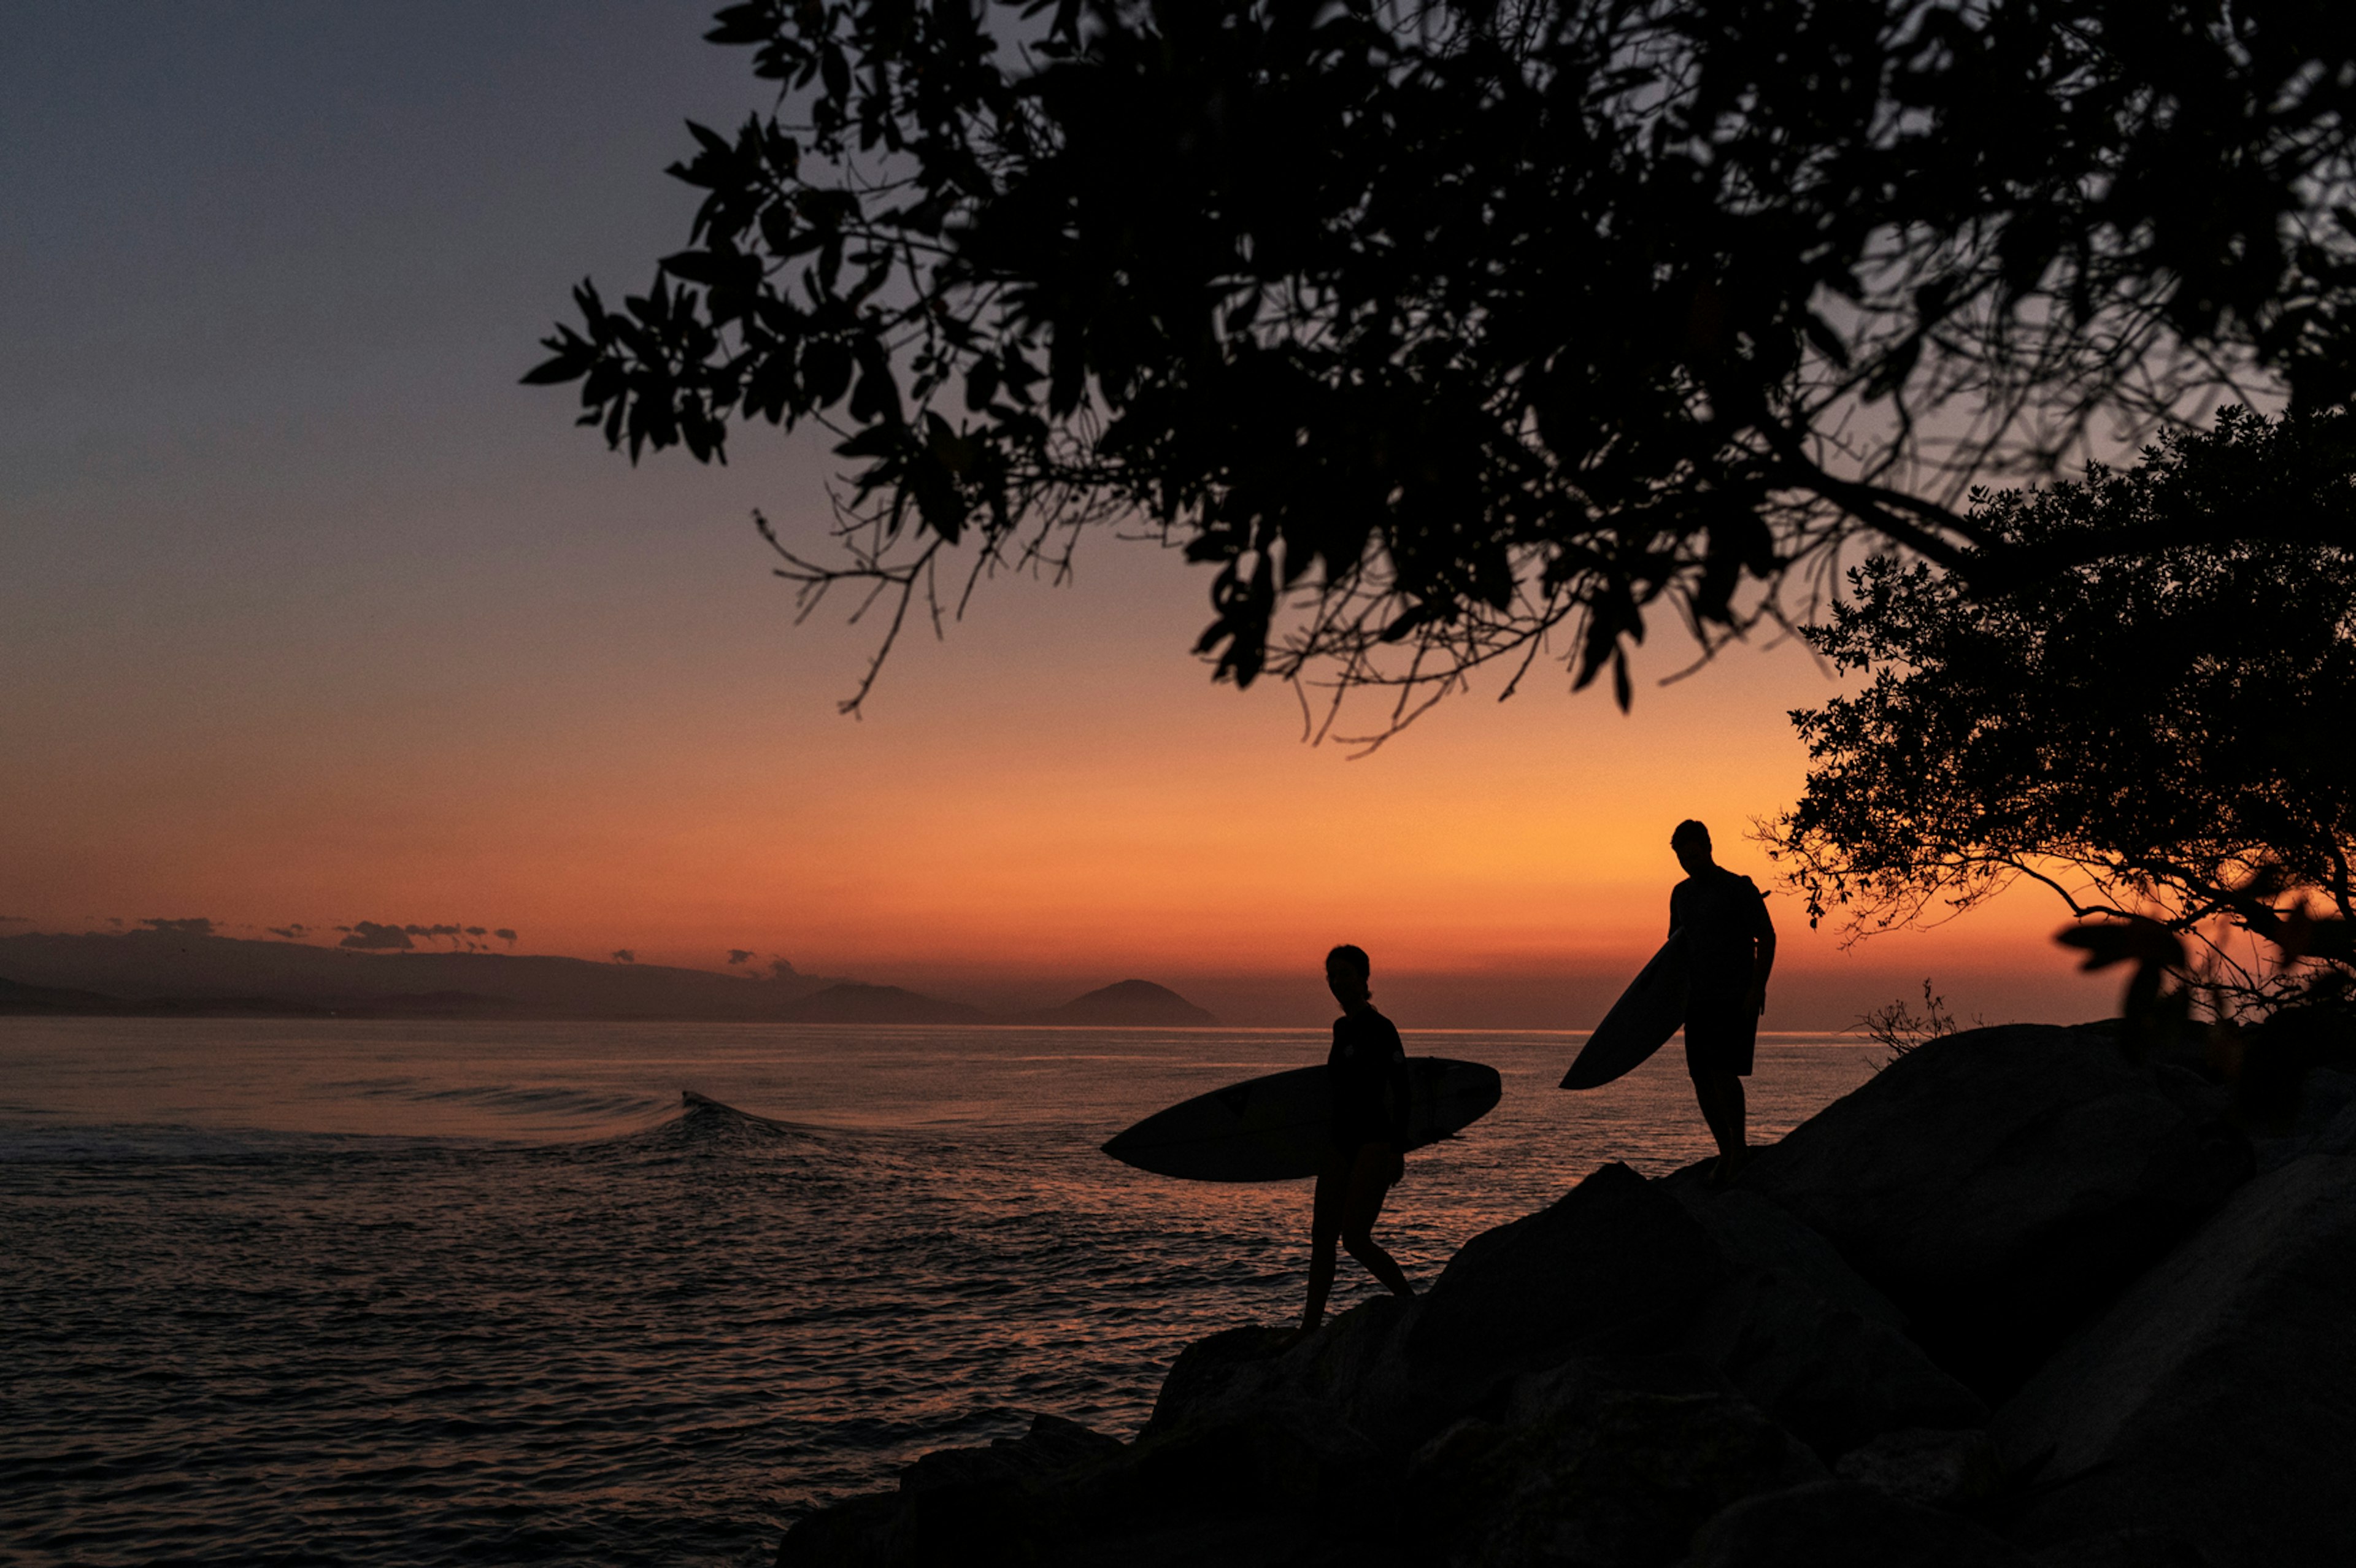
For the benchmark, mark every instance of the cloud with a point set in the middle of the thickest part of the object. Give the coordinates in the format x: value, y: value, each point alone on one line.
x: 294, y: 932
x: 740, y: 956
x: 624, y: 955
x: 16, y: 920
x: 779, y: 967
x: 368, y: 936
x: 196, y: 925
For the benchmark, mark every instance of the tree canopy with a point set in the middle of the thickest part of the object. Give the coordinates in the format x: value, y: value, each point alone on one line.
x: 1452, y: 333
x: 2166, y: 735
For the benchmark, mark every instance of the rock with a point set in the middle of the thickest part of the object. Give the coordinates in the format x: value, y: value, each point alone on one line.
x: 1936, y: 1468
x: 2318, y: 1122
x: 1616, y: 1265
x: 2000, y: 1186
x: 1808, y: 1341
x: 1840, y: 1524
x: 1618, y: 1480
x: 1282, y: 1454
x: 1225, y: 1370
x: 1051, y: 1447
x: 982, y: 1505
x: 2338, y: 1137
x: 1351, y: 1363
x: 1755, y: 1235
x: 1275, y: 1482
x: 2213, y: 1406
x: 1832, y: 1375
x: 858, y: 1530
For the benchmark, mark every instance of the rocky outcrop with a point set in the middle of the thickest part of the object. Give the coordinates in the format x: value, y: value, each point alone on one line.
x: 1935, y: 1466
x: 2211, y: 1412
x: 2002, y: 1185
x: 1840, y: 1524
x: 1807, y: 1340
x: 1653, y: 1375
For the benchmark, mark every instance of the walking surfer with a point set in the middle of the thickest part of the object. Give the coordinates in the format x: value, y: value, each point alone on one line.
x: 1368, y: 1069
x: 1730, y: 951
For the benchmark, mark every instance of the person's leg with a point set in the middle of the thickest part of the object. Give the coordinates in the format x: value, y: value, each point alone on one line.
x: 1370, y: 1185
x: 1719, y: 1091
x: 1325, y: 1211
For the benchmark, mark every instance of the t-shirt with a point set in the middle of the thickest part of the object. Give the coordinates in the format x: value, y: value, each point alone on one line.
x: 1370, y: 1083
x: 1723, y: 915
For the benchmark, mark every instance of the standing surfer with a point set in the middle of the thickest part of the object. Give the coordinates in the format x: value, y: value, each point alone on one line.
x: 1368, y: 1069
x: 1730, y: 951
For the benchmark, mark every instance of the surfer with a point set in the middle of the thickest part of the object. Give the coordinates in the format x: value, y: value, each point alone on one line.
x: 1368, y: 1067
x: 1730, y: 949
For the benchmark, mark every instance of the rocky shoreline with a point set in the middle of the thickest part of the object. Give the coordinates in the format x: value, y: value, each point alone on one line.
x: 2018, y: 1300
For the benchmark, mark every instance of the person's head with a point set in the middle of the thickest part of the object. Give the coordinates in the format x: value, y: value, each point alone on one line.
x: 1349, y: 974
x: 1690, y: 843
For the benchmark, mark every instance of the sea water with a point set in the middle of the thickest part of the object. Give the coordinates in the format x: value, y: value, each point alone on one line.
x: 409, y: 1293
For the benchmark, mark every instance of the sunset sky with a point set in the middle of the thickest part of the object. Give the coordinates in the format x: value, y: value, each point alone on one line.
x: 310, y: 613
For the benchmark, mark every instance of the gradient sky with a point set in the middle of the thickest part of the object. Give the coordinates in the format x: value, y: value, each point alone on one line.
x: 310, y: 613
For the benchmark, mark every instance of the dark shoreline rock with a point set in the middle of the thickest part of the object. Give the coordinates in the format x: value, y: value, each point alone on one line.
x: 2002, y: 1186
x: 2214, y: 1407
x: 1652, y: 1374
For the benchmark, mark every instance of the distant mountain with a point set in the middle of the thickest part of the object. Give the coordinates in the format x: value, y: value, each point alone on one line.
x: 21, y: 998
x: 1127, y: 1004
x: 850, y: 1003
x: 174, y: 972
x: 178, y: 974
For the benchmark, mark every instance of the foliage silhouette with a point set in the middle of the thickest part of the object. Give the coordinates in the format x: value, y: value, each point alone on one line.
x: 1900, y: 1029
x: 2161, y: 738
x: 1454, y: 333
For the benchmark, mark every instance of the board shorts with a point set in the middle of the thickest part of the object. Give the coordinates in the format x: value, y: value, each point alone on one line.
x: 1722, y: 1036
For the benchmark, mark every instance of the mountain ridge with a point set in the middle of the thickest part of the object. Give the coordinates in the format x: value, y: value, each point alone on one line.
x: 181, y: 974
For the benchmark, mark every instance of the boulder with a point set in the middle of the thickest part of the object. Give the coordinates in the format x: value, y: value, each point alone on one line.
x: 2211, y: 1411
x: 1351, y: 1363
x: 1616, y: 1265
x: 984, y: 1505
x: 1619, y: 1479
x: 2318, y: 1122
x: 1221, y: 1371
x: 1937, y: 1468
x: 2000, y: 1186
x: 1051, y: 1447
x: 1808, y: 1341
x: 1756, y: 1235
x: 1841, y: 1524
x: 1274, y: 1482
x: 1833, y: 1376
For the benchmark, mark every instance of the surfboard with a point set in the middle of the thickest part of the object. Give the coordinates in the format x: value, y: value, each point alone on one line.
x: 1280, y: 1128
x: 1650, y: 1009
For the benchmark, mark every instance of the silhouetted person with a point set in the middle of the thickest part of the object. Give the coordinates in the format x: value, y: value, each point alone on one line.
x: 1370, y: 1106
x: 1730, y: 951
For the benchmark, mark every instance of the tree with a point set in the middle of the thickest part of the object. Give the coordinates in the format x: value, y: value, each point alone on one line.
x: 2165, y: 736
x: 1454, y: 333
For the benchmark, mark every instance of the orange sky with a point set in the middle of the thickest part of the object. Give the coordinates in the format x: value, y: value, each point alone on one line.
x: 643, y: 753
x: 309, y: 613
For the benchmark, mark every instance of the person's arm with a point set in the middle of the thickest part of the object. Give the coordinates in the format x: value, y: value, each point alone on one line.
x: 1762, y: 963
x: 1398, y: 1091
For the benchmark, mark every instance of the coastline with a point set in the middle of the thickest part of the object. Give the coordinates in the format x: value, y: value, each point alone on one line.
x: 2016, y: 1299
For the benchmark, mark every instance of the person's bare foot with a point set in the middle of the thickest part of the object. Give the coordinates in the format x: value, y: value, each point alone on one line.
x: 1726, y: 1166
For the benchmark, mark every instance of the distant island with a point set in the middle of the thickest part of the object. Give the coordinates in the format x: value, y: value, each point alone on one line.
x: 182, y: 973
x: 1126, y: 1004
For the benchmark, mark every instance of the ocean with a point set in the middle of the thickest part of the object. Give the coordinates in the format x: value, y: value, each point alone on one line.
x: 376, y: 1293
